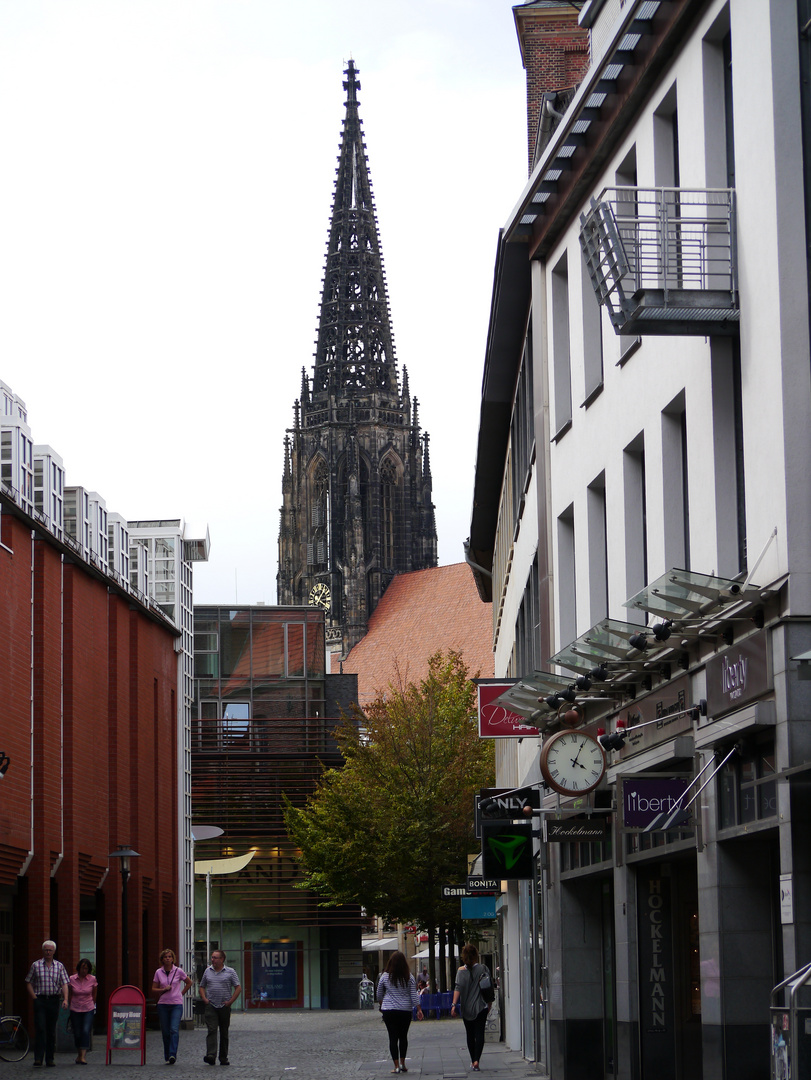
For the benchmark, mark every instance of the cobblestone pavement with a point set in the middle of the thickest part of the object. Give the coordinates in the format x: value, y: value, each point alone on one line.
x: 303, y: 1045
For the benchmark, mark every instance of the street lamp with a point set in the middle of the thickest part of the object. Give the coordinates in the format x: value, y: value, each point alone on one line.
x: 124, y: 854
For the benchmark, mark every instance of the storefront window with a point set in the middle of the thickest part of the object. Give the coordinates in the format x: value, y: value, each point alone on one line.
x: 747, y: 790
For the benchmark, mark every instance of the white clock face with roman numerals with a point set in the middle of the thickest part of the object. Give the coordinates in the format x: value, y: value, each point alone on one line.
x: 572, y: 762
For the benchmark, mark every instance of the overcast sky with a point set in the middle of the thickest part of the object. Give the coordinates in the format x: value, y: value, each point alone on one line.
x: 165, y: 192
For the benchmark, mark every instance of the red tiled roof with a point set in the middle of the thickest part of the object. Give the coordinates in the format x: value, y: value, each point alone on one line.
x: 420, y: 614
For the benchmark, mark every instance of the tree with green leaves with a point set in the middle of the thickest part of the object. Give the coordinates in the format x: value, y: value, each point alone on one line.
x: 395, y: 823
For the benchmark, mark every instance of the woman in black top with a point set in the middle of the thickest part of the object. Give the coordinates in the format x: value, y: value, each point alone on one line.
x: 468, y: 1000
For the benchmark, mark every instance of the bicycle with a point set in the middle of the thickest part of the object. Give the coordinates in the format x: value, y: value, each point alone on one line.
x: 14, y: 1041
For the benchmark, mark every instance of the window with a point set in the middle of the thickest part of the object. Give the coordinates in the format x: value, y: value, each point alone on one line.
x: 747, y: 789
x: 675, y: 493
x: 561, y: 359
x: 598, y: 550
x: 389, y: 492
x: 522, y: 428
x: 592, y: 336
x: 567, y: 578
x: 636, y: 527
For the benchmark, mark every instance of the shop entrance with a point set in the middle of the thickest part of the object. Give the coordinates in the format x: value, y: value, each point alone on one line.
x: 669, y: 976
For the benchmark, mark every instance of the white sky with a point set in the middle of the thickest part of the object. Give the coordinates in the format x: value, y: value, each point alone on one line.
x: 165, y: 192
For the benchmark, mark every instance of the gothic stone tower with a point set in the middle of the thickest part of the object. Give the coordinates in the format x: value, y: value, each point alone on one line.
x: 357, y: 480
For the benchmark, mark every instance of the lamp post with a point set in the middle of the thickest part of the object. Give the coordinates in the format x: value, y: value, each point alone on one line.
x: 124, y: 854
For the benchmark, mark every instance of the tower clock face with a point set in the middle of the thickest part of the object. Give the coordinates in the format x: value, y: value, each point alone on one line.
x: 320, y: 596
x: 572, y: 762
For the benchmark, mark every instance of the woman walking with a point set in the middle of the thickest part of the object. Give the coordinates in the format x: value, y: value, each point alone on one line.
x: 397, y: 994
x: 469, y: 1002
x: 82, y: 991
x: 170, y: 984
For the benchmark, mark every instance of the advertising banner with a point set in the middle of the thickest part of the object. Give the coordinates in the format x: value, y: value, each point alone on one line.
x: 507, y: 851
x: 479, y: 907
x: 652, y: 803
x: 496, y: 722
x: 275, y: 973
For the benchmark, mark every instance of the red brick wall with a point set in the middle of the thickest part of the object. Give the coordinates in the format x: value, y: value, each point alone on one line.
x: 105, y: 763
x: 556, y: 57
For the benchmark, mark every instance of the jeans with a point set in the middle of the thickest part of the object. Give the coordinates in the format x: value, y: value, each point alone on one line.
x: 474, y: 1029
x: 46, y: 1014
x: 169, y: 1016
x: 82, y: 1024
x: 217, y: 1020
x: 397, y: 1024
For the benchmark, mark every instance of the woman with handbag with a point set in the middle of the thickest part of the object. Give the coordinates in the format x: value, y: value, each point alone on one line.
x: 170, y: 984
x: 397, y: 994
x: 472, y: 996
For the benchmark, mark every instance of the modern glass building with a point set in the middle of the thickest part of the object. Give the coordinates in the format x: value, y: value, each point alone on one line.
x: 262, y: 728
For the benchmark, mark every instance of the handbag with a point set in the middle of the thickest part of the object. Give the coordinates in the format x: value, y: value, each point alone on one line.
x: 486, y: 987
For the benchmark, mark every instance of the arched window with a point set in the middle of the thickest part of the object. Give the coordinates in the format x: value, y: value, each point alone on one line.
x: 389, y: 484
x: 318, y: 533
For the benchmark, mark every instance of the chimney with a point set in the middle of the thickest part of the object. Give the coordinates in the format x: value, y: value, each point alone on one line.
x: 555, y: 55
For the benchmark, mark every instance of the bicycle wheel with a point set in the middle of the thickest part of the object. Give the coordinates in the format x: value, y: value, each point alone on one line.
x: 13, y: 1040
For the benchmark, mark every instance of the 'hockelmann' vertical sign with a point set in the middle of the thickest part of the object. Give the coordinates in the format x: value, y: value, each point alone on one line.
x: 656, y: 1003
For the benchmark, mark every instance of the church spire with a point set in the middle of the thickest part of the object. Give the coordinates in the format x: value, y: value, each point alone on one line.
x: 354, y: 348
x: 356, y: 486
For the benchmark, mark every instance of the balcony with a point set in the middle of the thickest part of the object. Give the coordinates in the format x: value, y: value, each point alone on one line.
x: 663, y: 260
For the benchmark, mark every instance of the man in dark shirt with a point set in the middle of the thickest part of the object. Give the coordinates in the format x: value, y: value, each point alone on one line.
x: 47, y: 982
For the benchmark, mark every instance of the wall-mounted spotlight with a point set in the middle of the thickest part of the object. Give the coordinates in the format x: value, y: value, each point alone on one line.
x: 616, y: 739
x: 583, y: 682
x: 568, y: 694
x: 662, y: 630
x: 599, y: 673
x: 5, y: 761
x: 638, y: 641
x: 553, y: 701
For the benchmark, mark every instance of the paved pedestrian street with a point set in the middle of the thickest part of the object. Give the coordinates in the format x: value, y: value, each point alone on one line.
x: 301, y: 1045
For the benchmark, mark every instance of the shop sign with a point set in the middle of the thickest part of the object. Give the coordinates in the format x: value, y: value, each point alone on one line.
x: 580, y: 829
x: 656, y: 991
x: 450, y: 891
x: 652, y: 803
x: 507, y: 851
x: 479, y: 907
x: 668, y: 706
x: 738, y: 675
x: 477, y: 885
x: 496, y: 722
x: 505, y: 807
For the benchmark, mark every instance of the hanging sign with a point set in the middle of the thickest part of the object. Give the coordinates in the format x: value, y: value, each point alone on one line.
x: 507, y: 851
x: 653, y: 803
x: 579, y: 829
x: 496, y: 722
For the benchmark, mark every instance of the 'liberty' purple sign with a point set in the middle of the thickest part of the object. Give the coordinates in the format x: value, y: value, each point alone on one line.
x: 653, y: 802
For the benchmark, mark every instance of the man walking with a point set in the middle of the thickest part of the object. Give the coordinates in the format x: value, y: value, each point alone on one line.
x: 219, y: 989
x: 47, y: 982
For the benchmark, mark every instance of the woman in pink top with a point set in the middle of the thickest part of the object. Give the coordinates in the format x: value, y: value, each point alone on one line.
x: 170, y: 984
x: 82, y: 990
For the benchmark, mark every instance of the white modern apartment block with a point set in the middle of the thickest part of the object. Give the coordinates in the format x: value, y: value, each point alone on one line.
x: 49, y: 488
x: 162, y: 555
x: 16, y: 448
x: 646, y: 543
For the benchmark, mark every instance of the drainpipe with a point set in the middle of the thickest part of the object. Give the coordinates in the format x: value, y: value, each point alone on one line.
x: 61, y: 854
x: 24, y: 868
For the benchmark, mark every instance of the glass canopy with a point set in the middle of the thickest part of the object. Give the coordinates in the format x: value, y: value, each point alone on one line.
x: 684, y: 594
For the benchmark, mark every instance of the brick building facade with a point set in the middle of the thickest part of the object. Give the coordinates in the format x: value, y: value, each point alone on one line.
x: 88, y: 682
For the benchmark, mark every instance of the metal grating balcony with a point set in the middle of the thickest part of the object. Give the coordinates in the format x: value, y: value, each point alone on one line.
x: 663, y: 260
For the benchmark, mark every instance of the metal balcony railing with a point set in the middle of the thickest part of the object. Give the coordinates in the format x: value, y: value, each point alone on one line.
x: 663, y: 260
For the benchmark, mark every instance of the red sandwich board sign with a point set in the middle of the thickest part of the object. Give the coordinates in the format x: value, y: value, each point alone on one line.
x: 126, y: 1022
